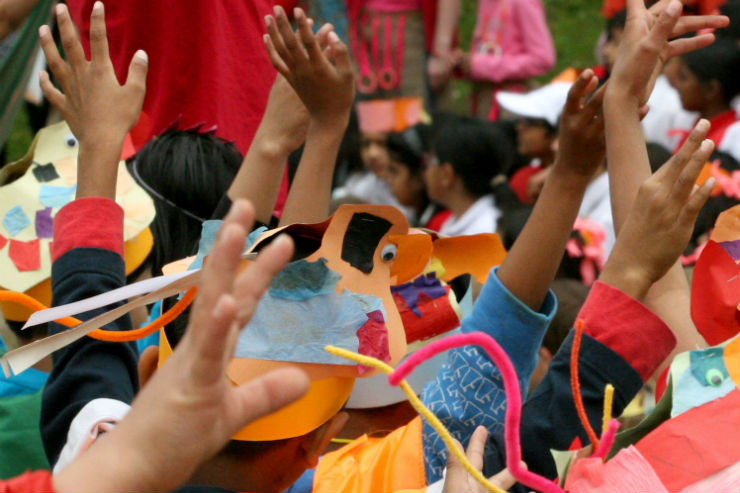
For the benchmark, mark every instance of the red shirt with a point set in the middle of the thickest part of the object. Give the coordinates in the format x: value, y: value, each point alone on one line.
x: 207, y: 63
x: 28, y: 482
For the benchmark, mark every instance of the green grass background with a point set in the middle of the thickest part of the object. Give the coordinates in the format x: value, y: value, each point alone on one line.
x: 575, y: 27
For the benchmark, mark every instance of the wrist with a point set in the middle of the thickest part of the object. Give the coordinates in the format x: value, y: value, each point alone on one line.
x: 571, y: 175
x: 631, y: 280
x: 619, y: 98
x: 97, y: 169
x: 328, y: 127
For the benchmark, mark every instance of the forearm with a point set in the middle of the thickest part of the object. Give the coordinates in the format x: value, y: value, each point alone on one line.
x: 530, y: 266
x: 97, y: 167
x: 628, y: 167
x: 310, y: 192
x: 448, y: 14
x: 260, y: 174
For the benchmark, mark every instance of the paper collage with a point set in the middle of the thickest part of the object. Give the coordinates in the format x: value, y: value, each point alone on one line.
x: 34, y: 189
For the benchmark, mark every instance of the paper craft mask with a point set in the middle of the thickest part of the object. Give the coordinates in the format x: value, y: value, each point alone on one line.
x: 32, y: 190
x: 715, y: 284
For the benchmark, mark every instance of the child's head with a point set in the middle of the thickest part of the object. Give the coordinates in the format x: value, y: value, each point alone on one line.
x: 406, y: 151
x: 374, y: 151
x: 467, y: 155
x: 614, y: 30
x: 707, y: 79
x: 186, y: 173
x: 537, y: 114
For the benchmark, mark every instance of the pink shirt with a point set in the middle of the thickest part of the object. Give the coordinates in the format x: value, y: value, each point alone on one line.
x: 511, y: 41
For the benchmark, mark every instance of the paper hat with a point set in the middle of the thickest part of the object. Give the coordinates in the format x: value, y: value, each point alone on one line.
x: 431, y: 310
x: 390, y: 115
x: 545, y: 103
x: 336, y: 290
x: 32, y: 190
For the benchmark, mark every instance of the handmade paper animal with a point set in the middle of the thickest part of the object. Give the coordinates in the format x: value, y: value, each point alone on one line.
x: 32, y: 190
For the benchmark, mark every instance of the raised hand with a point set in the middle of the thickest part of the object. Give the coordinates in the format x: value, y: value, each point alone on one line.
x: 98, y: 110
x: 661, y: 220
x: 645, y: 44
x: 189, y: 410
x: 323, y: 78
x: 581, y: 142
x: 92, y: 101
x: 457, y: 479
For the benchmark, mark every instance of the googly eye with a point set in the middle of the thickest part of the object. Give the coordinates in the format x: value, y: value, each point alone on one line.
x: 389, y: 252
x: 70, y: 140
x: 714, y: 377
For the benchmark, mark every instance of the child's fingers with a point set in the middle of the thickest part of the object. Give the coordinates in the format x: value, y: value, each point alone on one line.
x: 98, y: 35
x: 54, y: 95
x: 137, y: 69
x: 57, y: 65
x: 503, y: 479
x: 221, y: 264
x: 340, y: 53
x: 275, y: 57
x: 695, y: 203
x: 686, y: 180
x: 277, y: 40
x: 577, y: 93
x: 289, y: 37
x: 253, y: 281
x: 70, y: 41
x: 595, y: 103
x: 477, y: 446
x: 684, y: 45
x: 209, y: 340
x: 306, y: 34
x: 266, y: 394
x: 670, y: 170
x: 661, y: 30
x: 322, y: 35
x: 694, y: 23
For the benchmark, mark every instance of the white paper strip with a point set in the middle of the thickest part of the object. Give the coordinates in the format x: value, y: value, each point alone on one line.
x: 103, y: 299
x: 26, y: 356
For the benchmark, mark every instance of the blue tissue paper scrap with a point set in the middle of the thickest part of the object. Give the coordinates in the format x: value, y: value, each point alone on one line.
x: 16, y: 220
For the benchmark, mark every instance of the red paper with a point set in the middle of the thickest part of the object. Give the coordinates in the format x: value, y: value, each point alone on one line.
x: 695, y: 444
x: 3, y: 241
x: 26, y: 255
x: 715, y: 294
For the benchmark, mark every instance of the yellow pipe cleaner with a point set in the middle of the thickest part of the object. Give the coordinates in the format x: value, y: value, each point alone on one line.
x: 608, y: 403
x: 422, y: 410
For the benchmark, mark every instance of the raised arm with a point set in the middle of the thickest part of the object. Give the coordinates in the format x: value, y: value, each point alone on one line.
x: 530, y: 266
x: 324, y: 81
x: 281, y: 131
x: 88, y: 232
x: 643, y: 50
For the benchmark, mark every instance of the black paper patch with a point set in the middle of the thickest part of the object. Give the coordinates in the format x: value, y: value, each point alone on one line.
x: 45, y: 172
x: 361, y: 239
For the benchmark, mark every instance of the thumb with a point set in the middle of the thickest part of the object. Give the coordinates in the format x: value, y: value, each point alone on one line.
x: 137, y: 71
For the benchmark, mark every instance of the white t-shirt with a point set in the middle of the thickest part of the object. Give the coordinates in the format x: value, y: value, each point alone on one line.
x: 481, y: 217
x: 596, y: 205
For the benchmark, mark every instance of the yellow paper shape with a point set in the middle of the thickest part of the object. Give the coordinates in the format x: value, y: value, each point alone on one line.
x: 474, y: 254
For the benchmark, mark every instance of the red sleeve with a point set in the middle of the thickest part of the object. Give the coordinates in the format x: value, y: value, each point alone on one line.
x: 94, y: 222
x: 627, y: 327
x: 28, y: 482
x: 519, y: 182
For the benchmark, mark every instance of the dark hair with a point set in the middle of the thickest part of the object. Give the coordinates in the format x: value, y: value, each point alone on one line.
x: 408, y: 147
x: 186, y: 173
x: 29, y: 334
x: 657, y: 155
x: 618, y: 21
x: 719, y: 61
x: 571, y: 295
x: 477, y: 151
x: 732, y: 10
